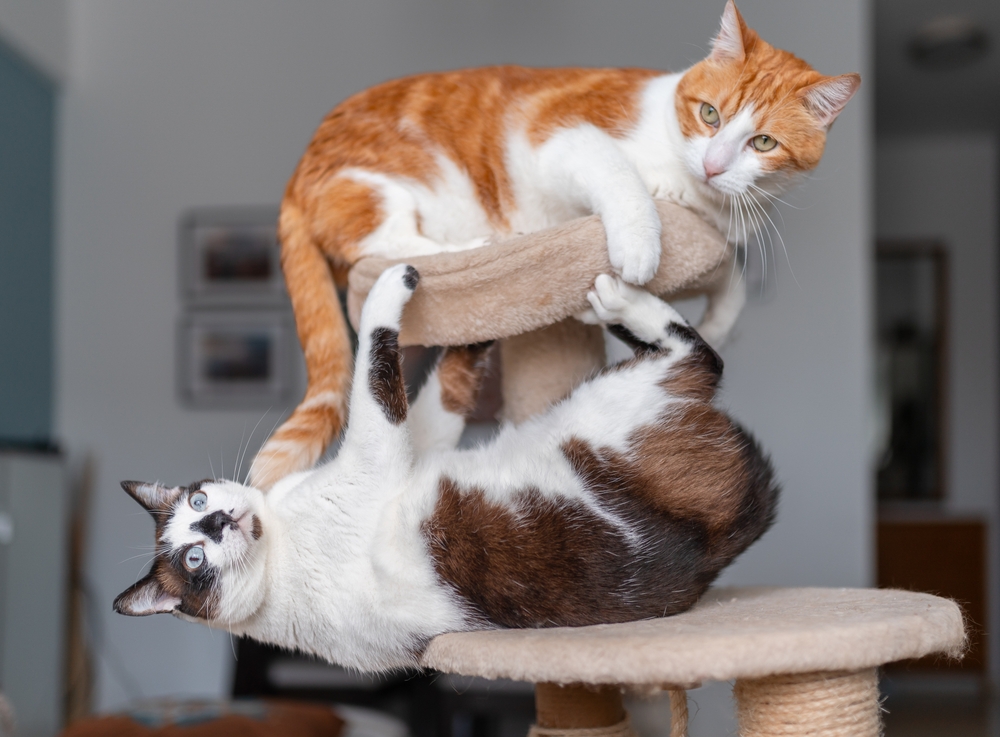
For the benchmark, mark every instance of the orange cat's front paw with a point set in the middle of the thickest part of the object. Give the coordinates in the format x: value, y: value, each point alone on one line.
x: 634, y: 245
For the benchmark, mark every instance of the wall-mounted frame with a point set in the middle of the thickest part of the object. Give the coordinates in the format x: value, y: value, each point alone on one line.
x: 235, y: 358
x: 231, y: 256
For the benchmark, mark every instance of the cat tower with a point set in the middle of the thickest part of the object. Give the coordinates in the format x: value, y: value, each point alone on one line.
x: 803, y: 660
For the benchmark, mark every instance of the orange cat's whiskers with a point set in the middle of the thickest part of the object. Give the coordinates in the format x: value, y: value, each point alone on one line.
x: 736, y: 245
x: 777, y: 232
x: 753, y: 219
x: 729, y: 229
x: 774, y: 198
x: 746, y: 237
x: 767, y: 230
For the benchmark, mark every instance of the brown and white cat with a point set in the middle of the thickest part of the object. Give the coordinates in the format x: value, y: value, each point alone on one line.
x: 622, y: 502
x: 447, y: 161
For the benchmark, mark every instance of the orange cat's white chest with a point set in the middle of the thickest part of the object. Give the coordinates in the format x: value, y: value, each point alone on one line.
x: 660, y: 152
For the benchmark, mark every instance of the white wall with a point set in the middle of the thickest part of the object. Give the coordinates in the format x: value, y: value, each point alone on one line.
x: 38, y: 29
x: 946, y: 188
x: 182, y: 103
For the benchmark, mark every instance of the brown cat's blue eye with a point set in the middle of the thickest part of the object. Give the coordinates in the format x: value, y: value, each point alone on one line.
x: 198, y: 501
x: 194, y: 557
x: 763, y: 143
x: 709, y: 114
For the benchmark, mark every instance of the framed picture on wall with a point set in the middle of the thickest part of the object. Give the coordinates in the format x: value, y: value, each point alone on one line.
x: 231, y: 256
x: 236, y: 358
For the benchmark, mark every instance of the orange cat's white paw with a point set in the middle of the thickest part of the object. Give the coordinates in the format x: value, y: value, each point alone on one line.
x: 634, y: 244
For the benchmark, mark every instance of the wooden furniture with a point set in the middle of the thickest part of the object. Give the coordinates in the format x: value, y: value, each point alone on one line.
x: 939, y: 555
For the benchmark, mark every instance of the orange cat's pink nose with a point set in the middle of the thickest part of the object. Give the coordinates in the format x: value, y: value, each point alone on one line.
x: 713, y: 168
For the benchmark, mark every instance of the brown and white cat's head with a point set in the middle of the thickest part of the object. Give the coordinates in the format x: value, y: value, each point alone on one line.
x: 753, y: 115
x: 210, y: 552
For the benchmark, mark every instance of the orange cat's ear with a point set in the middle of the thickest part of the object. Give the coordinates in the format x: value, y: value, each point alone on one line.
x: 826, y: 98
x: 731, y: 43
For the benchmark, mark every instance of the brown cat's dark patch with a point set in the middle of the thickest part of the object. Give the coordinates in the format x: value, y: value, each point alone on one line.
x: 386, y: 376
x: 196, y: 589
x: 214, y: 525
x: 256, y: 529
x: 531, y: 565
x: 692, y: 378
x: 542, y: 562
x: 719, y: 481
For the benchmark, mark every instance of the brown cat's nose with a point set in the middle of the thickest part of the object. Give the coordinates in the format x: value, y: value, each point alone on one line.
x: 212, y: 525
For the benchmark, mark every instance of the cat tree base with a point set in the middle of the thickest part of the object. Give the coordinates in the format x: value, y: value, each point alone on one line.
x: 804, y: 660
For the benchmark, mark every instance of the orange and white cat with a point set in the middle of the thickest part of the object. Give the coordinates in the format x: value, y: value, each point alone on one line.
x: 448, y: 161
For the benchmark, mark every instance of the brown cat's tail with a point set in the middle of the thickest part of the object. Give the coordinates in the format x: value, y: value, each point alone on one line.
x: 323, y: 332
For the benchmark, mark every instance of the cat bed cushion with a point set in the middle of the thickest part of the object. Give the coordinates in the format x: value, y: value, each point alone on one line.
x: 532, y: 281
x: 730, y: 633
x: 215, y: 719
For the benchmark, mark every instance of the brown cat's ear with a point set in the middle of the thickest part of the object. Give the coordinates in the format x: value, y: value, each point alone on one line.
x: 731, y: 43
x: 144, y: 598
x: 826, y: 98
x: 153, y: 497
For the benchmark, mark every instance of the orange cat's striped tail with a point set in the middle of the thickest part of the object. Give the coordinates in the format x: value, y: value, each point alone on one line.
x: 323, y: 332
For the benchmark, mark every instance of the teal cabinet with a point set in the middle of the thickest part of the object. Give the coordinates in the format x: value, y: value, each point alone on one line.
x: 27, y: 163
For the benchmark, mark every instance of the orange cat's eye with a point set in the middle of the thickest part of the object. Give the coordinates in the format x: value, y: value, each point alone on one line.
x: 763, y: 143
x: 709, y: 114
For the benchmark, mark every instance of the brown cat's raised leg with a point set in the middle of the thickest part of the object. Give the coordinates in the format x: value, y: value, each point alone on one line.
x: 378, y: 433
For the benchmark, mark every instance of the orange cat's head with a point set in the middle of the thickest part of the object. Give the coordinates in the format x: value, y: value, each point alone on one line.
x: 754, y: 115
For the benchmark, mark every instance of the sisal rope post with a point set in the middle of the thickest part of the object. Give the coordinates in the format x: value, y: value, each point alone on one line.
x: 678, y: 712
x: 833, y: 704
x: 621, y: 729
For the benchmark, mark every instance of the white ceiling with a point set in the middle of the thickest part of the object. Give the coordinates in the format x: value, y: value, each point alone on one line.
x: 910, y: 99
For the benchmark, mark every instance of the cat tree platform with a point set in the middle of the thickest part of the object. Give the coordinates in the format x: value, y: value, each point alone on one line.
x: 804, y: 660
